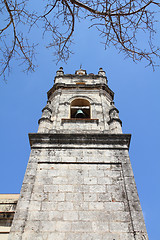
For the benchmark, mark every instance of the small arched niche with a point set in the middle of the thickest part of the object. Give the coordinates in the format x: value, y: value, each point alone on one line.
x: 80, y: 108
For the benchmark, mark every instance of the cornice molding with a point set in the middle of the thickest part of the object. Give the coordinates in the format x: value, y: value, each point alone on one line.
x: 83, y: 86
x: 111, y: 140
x: 84, y: 76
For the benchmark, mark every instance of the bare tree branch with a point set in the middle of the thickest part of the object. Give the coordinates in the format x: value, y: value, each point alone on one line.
x: 119, y: 22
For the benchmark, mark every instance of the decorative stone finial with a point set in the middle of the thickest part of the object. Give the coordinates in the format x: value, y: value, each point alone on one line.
x: 101, y: 72
x: 60, y: 72
x: 81, y: 72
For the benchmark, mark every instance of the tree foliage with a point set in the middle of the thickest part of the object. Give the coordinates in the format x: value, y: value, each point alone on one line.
x: 121, y: 23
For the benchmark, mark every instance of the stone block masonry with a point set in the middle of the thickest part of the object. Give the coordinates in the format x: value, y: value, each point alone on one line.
x: 73, y: 199
x: 79, y: 182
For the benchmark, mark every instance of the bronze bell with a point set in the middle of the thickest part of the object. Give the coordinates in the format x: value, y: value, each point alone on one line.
x: 80, y: 114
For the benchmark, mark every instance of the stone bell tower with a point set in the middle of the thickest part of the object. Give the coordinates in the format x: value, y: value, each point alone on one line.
x: 79, y: 182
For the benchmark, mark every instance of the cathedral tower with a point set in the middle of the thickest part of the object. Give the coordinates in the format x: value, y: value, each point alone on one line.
x: 79, y: 182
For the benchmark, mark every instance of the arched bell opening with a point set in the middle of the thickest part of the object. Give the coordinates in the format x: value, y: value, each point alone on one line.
x: 80, y: 108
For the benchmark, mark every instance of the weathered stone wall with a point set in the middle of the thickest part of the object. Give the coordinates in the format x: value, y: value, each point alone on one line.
x: 60, y: 105
x: 79, y: 182
x: 67, y: 88
x: 79, y: 191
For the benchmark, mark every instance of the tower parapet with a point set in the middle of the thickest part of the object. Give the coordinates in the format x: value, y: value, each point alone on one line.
x: 81, y: 77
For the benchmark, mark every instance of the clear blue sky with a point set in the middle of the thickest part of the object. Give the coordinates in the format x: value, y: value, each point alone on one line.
x: 137, y: 96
